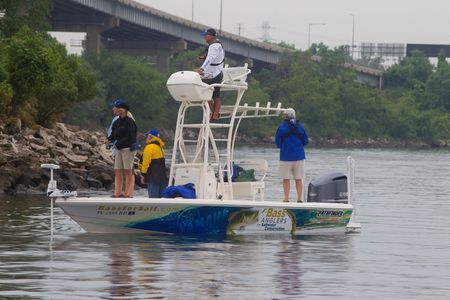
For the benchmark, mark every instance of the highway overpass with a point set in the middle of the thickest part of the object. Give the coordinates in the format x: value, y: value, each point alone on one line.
x: 135, y: 29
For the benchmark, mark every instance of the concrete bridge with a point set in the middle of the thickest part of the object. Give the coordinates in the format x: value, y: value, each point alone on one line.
x: 135, y: 29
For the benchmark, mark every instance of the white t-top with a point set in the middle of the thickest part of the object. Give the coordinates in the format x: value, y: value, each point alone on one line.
x: 216, y: 55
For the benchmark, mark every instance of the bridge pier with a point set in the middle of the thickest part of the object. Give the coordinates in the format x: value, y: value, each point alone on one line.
x: 94, y: 34
x: 92, y: 24
x: 163, y: 51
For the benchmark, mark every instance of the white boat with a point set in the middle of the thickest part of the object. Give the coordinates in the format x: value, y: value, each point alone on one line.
x: 222, y: 207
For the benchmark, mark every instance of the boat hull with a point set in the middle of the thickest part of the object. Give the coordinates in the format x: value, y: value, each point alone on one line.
x: 205, y: 217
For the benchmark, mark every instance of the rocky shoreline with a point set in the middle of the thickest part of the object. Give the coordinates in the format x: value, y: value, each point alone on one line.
x: 86, y: 164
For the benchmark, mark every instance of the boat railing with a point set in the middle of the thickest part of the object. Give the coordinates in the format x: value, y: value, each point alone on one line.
x: 352, y: 225
x: 350, y: 178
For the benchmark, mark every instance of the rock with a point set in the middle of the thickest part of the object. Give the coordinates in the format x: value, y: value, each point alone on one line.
x: 5, y: 146
x: 92, y: 140
x: 18, y: 124
x: 39, y: 141
x: 84, y: 153
x: 39, y: 149
x: 94, y: 183
x: 73, y: 128
x: 77, y: 159
x: 32, y: 178
x: 20, y: 189
x: 104, y: 174
x: 52, y: 141
x: 42, y: 133
x: 105, y: 154
x: 63, y: 144
x: 81, y: 146
x: 437, y: 143
x: 64, y: 131
x: 5, y: 184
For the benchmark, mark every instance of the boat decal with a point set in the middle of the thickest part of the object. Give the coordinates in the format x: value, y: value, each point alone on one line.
x: 215, y: 220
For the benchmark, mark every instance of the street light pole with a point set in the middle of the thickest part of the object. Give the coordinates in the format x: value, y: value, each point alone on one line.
x: 192, y: 11
x: 309, y: 31
x: 220, y: 28
x: 353, y: 35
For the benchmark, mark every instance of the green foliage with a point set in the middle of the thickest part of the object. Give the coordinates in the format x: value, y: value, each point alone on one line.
x: 29, y: 64
x: 259, y: 127
x: 434, y: 124
x: 403, y: 117
x: 19, y: 13
x: 410, y: 73
x: 139, y: 84
x: 186, y: 60
x: 45, y: 80
x: 6, y: 94
x: 437, y: 88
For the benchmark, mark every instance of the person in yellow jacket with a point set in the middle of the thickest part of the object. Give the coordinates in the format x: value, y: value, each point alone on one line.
x: 153, y: 165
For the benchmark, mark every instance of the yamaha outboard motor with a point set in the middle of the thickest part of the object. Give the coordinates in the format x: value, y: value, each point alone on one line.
x: 330, y: 187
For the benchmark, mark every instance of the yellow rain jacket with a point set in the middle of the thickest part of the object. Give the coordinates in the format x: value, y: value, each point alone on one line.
x: 153, y: 165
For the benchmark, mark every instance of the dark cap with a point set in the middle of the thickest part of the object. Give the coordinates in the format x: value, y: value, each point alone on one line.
x: 153, y: 132
x: 208, y: 31
x: 117, y: 102
x: 122, y: 105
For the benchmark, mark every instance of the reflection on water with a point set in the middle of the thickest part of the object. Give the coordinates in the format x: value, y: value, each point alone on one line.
x: 122, y: 265
x: 288, y: 277
x: 401, y: 253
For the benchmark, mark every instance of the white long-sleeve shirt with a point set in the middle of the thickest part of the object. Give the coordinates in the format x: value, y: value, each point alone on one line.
x: 216, y: 55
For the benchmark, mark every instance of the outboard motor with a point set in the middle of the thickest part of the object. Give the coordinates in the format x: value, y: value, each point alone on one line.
x: 330, y: 187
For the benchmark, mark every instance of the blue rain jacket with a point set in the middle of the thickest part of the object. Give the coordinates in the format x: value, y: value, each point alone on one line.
x: 291, y: 138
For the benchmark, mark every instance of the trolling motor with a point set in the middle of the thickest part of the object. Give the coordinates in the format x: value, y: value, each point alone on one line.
x: 53, y: 192
x: 52, y: 189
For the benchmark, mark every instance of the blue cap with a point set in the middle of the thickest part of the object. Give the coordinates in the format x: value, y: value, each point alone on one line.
x: 208, y: 31
x: 153, y: 132
x: 117, y: 103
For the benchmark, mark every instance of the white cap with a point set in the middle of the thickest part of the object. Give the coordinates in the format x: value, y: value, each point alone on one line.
x: 289, y: 113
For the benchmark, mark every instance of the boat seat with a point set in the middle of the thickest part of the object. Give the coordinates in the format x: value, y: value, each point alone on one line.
x: 235, y: 75
x: 251, y: 188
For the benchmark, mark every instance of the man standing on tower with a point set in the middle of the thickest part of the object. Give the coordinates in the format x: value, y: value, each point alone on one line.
x: 211, y: 69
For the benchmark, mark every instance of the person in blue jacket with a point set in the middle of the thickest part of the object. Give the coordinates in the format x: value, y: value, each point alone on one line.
x: 291, y: 138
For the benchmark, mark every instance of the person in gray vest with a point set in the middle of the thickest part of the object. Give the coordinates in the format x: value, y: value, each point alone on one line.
x: 211, y: 69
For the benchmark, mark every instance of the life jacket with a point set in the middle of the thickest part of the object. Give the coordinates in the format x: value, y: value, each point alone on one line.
x: 205, y: 54
x: 186, y: 191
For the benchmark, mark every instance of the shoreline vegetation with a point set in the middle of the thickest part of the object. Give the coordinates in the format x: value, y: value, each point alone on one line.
x: 46, y: 91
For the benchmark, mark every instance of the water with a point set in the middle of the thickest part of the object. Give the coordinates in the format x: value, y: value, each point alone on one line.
x: 403, y: 204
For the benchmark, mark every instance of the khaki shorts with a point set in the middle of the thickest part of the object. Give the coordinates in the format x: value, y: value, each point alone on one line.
x: 296, y: 167
x: 124, y: 159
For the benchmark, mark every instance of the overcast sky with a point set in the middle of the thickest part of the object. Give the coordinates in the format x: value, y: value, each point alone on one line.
x: 377, y: 21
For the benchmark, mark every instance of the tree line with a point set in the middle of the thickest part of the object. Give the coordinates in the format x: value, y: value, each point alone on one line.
x: 40, y: 83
